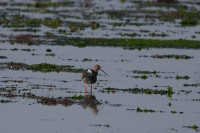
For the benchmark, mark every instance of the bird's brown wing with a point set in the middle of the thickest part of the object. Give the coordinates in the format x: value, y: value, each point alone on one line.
x: 83, y: 74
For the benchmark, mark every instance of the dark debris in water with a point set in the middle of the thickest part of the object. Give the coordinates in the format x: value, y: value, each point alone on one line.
x: 3, y: 57
x: 100, y: 125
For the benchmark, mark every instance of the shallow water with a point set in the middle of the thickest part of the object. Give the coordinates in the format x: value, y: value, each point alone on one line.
x: 112, y: 115
x: 116, y: 19
x: 117, y: 112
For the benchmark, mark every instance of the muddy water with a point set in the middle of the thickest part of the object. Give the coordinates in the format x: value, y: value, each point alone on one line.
x: 118, y: 110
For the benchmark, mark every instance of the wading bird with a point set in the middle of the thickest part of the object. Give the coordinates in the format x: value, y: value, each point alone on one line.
x: 90, y: 76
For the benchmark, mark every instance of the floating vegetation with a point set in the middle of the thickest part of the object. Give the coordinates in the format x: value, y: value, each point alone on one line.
x: 43, y: 67
x: 100, y: 125
x: 77, y: 97
x: 26, y: 30
x: 55, y: 101
x: 189, y: 18
x: 142, y: 43
x: 86, y: 59
x: 48, y: 50
x: 51, y: 54
x: 158, y: 35
x: 139, y: 110
x: 13, y: 65
x: 21, y: 21
x: 144, y: 77
x: 5, y: 101
x: 182, y: 77
x: 169, y: 104
x: 192, y: 85
x: 192, y: 127
x: 174, y: 112
x: 3, y: 57
x: 94, y: 25
x: 169, y: 91
x: 116, y: 42
x: 167, y: 1
x: 26, y: 39
x: 145, y: 110
x: 51, y: 4
x: 144, y: 72
x: 172, y: 56
x: 130, y: 35
x: 52, y: 23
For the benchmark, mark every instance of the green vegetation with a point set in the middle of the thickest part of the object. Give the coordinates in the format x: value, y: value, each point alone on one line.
x: 21, y: 21
x: 141, y: 43
x: 77, y: 97
x: 169, y: 90
x: 139, y: 110
x: 182, y: 77
x: 145, y: 110
x: 5, y: 101
x: 144, y: 77
x: 144, y: 72
x: 51, y: 4
x: 190, y: 18
x: 192, y: 127
x: 45, y: 67
x: 192, y: 85
x: 52, y: 23
x: 175, y: 56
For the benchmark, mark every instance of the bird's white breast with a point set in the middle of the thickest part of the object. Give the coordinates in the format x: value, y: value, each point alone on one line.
x: 89, y: 71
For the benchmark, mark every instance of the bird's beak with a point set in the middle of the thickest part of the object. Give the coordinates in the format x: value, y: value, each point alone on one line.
x: 103, y: 71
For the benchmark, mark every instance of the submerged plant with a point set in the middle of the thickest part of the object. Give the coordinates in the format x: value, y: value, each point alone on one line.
x: 182, y: 77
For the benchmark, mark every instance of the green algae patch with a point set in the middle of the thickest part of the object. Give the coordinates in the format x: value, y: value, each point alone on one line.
x: 45, y: 67
x: 139, y: 110
x: 171, y: 56
x: 192, y: 127
x: 137, y: 43
x: 42, y: 67
x: 168, y: 91
x: 5, y: 101
x: 186, y: 77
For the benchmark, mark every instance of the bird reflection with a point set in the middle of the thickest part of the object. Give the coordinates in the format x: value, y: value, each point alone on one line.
x: 90, y: 102
x: 94, y: 108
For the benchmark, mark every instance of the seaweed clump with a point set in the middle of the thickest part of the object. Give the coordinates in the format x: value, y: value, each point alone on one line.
x: 42, y: 67
x: 172, y: 56
x: 45, y: 67
x: 169, y: 91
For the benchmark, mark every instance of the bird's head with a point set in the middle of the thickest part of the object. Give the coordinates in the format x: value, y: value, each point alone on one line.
x: 97, y: 67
